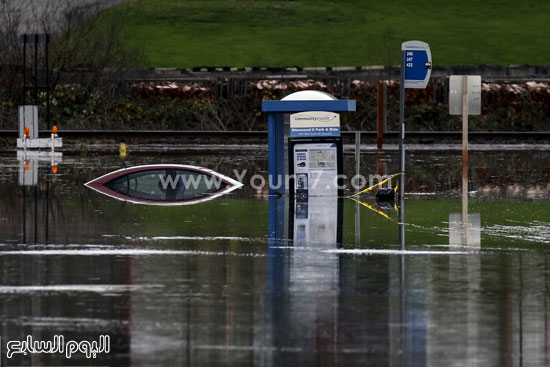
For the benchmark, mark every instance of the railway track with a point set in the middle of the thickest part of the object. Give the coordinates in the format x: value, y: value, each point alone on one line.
x: 417, y: 136
x: 214, y: 142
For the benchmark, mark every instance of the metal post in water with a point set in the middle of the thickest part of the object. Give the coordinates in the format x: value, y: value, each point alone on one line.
x: 46, y: 46
x: 380, y: 114
x: 464, y: 160
x: 357, y: 153
x: 401, y: 191
x: 402, y: 121
x: 357, y: 173
x: 24, y: 67
x: 401, y: 215
x: 36, y: 69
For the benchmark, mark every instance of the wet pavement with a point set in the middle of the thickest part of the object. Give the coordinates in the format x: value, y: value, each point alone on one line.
x: 245, y: 279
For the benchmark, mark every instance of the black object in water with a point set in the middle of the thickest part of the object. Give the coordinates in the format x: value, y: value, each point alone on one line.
x: 385, y: 198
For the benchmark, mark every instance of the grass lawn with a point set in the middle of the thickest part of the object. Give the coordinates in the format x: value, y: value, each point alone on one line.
x: 238, y: 33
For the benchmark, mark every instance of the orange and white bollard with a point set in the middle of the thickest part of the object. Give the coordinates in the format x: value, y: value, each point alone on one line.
x: 54, y: 135
x: 26, y: 136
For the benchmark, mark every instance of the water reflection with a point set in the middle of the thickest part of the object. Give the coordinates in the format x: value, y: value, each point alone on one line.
x: 29, y: 161
x: 232, y: 282
x: 304, y: 265
x: 310, y: 289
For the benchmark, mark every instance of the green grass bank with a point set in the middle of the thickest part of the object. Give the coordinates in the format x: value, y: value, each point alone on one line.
x: 239, y: 33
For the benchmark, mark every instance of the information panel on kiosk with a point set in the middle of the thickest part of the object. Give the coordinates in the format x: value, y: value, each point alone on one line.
x: 315, y: 154
x: 315, y: 124
x: 418, y: 64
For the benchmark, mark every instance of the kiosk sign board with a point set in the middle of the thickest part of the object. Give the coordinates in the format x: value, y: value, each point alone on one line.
x: 316, y: 169
x: 314, y: 124
x: 418, y: 64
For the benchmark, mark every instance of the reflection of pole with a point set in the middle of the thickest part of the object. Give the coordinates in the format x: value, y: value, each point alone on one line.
x: 402, y: 265
x: 379, y: 164
x: 396, y: 311
x: 47, y: 210
x: 37, y: 271
x: 24, y: 215
x: 520, y: 309
x: 357, y: 224
x: 36, y: 213
x: 188, y: 318
x: 275, y: 238
x: 402, y: 308
x: 464, y: 160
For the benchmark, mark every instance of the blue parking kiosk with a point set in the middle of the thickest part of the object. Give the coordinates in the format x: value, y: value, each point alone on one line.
x: 305, y: 115
x: 303, y: 139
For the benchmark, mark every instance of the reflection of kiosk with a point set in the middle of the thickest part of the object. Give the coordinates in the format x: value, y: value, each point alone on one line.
x: 316, y: 220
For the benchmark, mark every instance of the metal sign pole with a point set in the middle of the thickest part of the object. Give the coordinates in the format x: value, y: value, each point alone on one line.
x: 416, y: 65
x: 402, y: 119
x: 401, y: 192
x: 464, y: 159
x: 357, y: 172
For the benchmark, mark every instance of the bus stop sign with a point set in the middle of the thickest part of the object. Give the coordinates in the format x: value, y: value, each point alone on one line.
x: 417, y: 63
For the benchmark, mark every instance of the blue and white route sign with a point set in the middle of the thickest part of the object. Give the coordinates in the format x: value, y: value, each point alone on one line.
x: 418, y: 64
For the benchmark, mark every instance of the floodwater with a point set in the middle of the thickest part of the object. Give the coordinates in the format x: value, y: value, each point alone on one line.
x: 248, y: 280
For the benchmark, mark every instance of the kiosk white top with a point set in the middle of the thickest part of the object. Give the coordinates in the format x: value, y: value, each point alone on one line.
x: 309, y: 95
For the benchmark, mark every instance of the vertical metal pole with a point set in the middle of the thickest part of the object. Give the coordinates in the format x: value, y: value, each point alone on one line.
x: 279, y: 181
x: 401, y: 192
x: 464, y: 160
x: 402, y: 118
x: 357, y: 173
x: 384, y: 106
x: 275, y: 154
x: 24, y: 69
x: 401, y: 217
x: 380, y: 115
x: 357, y: 153
x: 47, y: 46
x: 36, y: 70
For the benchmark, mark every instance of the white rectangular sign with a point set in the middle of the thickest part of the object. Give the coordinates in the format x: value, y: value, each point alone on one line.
x: 473, y: 95
x: 28, y: 117
x: 315, y: 123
